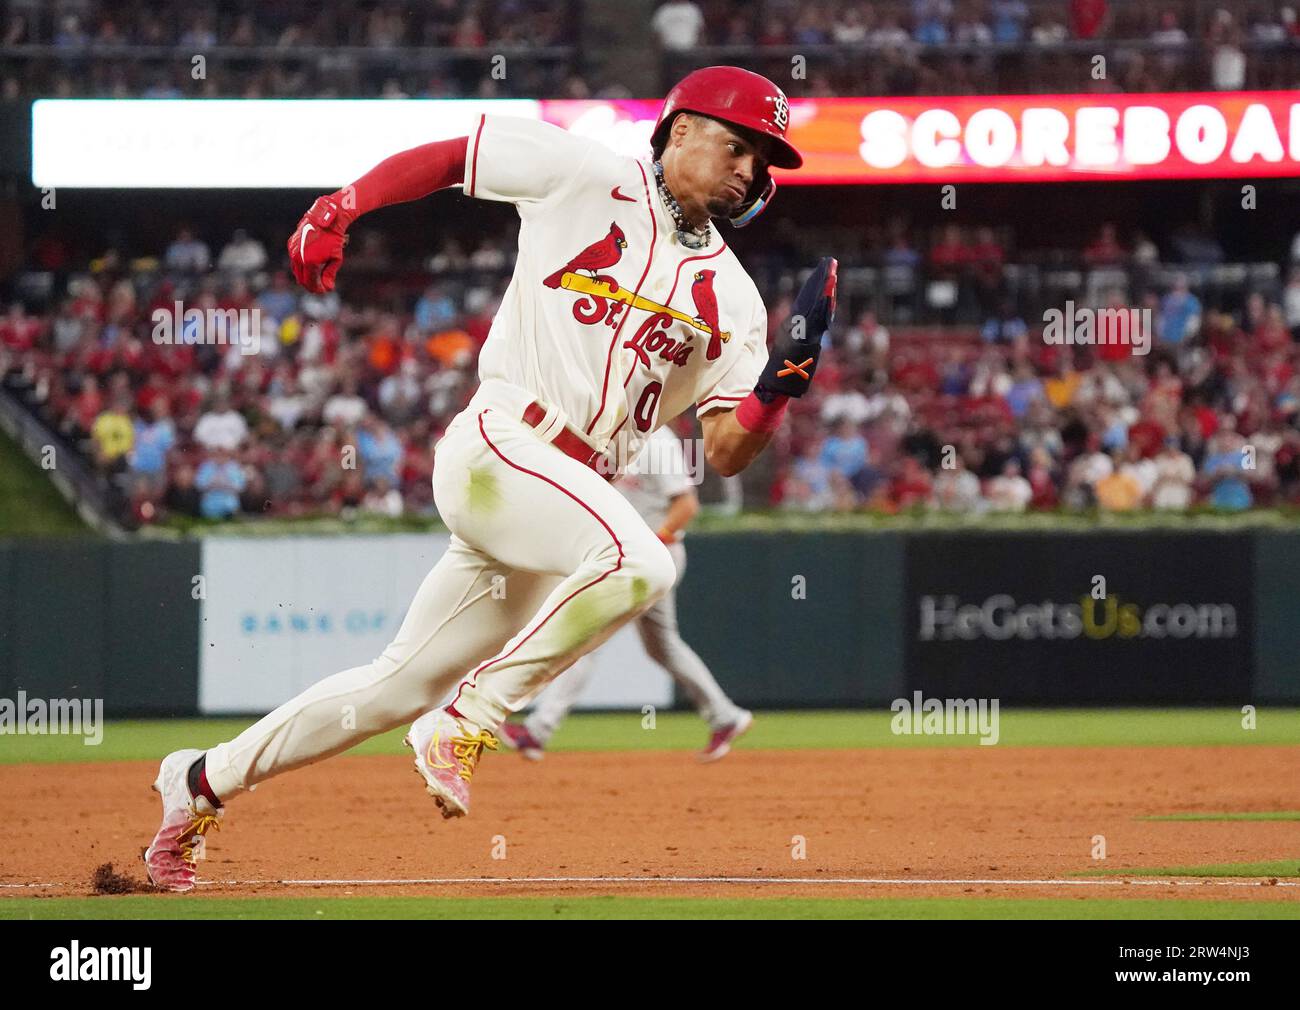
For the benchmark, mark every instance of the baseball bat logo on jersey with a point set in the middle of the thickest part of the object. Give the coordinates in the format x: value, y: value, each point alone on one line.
x: 606, y: 300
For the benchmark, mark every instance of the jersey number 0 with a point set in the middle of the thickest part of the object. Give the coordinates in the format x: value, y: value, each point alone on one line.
x: 647, y: 406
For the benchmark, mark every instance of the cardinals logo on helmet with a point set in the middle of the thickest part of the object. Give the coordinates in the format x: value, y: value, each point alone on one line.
x: 780, y: 111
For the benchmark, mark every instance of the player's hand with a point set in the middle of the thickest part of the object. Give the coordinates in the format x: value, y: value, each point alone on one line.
x: 316, y: 245
x: 795, y: 351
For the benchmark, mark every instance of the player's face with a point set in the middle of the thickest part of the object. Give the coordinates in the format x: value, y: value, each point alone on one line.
x: 716, y: 166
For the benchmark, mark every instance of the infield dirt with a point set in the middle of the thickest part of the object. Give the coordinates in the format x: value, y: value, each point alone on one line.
x: 969, y: 814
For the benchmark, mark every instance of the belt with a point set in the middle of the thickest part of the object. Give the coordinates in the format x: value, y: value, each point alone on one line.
x: 570, y: 443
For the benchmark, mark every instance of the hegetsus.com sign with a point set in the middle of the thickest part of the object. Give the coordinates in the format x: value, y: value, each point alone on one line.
x: 1083, y: 618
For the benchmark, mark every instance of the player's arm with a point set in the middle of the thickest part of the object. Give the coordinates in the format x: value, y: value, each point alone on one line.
x: 507, y: 158
x: 682, y: 508
x: 316, y: 246
x: 728, y: 445
x: 734, y: 438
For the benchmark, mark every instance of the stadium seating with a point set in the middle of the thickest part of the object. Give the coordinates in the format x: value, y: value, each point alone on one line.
x: 383, y: 368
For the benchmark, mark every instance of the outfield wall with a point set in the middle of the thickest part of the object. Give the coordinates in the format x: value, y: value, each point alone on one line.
x: 280, y: 613
x: 235, y: 625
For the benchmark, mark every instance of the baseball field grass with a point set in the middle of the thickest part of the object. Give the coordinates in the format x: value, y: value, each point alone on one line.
x: 1202, y: 518
x: 148, y: 739
x: 1154, y: 776
x: 29, y: 504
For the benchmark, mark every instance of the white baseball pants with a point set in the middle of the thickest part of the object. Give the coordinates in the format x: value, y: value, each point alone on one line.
x: 547, y: 560
x: 664, y: 644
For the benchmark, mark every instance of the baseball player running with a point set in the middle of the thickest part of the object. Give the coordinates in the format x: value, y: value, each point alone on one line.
x: 659, y: 488
x: 625, y: 308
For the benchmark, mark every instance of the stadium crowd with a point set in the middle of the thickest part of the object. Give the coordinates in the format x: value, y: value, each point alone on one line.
x: 328, y: 49
x: 331, y: 405
x: 685, y: 24
x: 990, y: 46
x: 378, y: 48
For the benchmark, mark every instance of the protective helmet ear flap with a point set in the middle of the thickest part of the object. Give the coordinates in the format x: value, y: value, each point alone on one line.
x: 764, y: 186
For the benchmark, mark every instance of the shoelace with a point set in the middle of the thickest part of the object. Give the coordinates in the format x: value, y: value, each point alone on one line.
x: 468, y: 750
x: 191, y: 836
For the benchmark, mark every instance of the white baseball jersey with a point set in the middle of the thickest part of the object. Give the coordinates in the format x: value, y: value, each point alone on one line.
x: 607, y: 316
x: 611, y: 323
x: 657, y: 476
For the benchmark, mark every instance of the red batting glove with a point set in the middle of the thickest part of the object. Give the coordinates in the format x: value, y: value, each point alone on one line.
x: 316, y: 246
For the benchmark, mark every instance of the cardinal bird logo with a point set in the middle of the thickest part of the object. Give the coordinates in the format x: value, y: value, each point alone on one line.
x: 598, y: 256
x: 706, y: 310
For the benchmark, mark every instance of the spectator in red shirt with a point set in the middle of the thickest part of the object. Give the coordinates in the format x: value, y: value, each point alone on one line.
x: 187, y: 398
x: 914, y: 370
x: 950, y: 255
x: 912, y: 486
x: 986, y: 254
x: 1115, y: 329
x: 1088, y: 19
x: 87, y: 406
x: 1040, y: 480
x: 1278, y: 372
x: 1105, y: 249
x: 18, y: 331
x: 87, y: 356
x: 774, y: 32
x: 985, y: 258
x: 88, y: 303
x: 50, y: 253
x: 1222, y: 335
x: 468, y: 34
x: 144, y: 502
x: 1272, y: 334
x: 417, y: 462
x: 1206, y: 419
x: 238, y: 296
x: 1147, y: 435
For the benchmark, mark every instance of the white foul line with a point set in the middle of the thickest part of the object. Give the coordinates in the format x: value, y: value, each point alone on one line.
x: 839, y: 881
x: 863, y: 881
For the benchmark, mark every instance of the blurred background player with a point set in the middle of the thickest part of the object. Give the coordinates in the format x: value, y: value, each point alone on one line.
x: 658, y: 484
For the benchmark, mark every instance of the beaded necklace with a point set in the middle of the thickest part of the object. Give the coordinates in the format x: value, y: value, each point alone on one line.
x: 689, y: 235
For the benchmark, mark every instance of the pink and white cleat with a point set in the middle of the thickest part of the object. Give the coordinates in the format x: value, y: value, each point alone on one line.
x: 179, y: 844
x: 516, y: 736
x: 721, y: 740
x: 446, y: 756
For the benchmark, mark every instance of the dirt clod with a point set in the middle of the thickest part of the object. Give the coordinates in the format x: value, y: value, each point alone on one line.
x: 106, y: 880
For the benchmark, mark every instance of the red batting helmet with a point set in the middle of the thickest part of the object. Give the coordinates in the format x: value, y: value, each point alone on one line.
x: 742, y: 99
